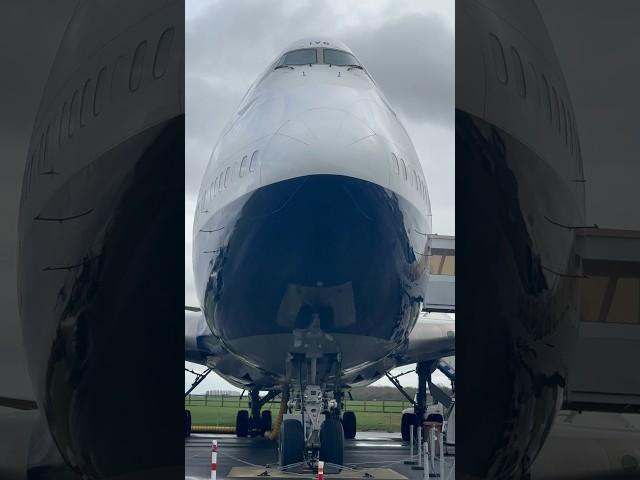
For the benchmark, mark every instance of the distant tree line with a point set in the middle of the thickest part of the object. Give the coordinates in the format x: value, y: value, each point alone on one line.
x: 386, y: 393
x: 361, y: 393
x: 223, y: 393
x: 380, y: 393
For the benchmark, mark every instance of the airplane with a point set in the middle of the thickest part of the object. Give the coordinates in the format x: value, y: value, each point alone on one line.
x: 99, y: 205
x: 520, y: 185
x: 311, y: 248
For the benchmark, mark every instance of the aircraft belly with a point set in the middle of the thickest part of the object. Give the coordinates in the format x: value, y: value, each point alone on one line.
x: 346, y: 250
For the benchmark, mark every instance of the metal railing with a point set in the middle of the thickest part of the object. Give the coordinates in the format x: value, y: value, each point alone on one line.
x: 222, y: 401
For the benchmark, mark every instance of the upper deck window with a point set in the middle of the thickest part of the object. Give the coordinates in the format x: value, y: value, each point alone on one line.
x: 339, y: 58
x: 305, y: 56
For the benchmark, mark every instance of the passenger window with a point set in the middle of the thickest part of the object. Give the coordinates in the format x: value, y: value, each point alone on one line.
x: 64, y: 123
x: 243, y: 166
x: 100, y: 91
x: 305, y: 56
x: 564, y: 121
x: 534, y: 85
x: 556, y: 107
x: 73, y: 111
x: 220, y: 181
x: 404, y: 169
x: 227, y: 179
x: 546, y: 99
x: 84, y: 105
x: 521, y: 86
x: 41, y: 152
x: 339, y: 58
x: 135, y: 74
x: 570, y: 125
x: 47, y: 146
x: 254, y: 161
x: 162, y: 53
x: 498, y: 59
x: 396, y: 165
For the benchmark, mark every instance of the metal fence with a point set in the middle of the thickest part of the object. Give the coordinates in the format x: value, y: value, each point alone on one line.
x: 223, y: 401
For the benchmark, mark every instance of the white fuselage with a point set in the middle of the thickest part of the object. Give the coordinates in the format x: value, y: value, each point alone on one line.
x: 310, y: 123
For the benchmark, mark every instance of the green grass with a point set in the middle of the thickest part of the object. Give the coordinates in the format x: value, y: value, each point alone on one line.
x: 224, y: 414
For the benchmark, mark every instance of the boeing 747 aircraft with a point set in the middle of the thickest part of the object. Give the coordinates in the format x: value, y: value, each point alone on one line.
x: 98, y: 207
x: 311, y: 247
x: 521, y: 190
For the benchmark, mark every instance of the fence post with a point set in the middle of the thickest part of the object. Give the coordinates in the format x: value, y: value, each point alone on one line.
x: 441, y: 445
x: 206, y: 396
x: 411, y: 442
x: 214, y: 459
x: 383, y: 409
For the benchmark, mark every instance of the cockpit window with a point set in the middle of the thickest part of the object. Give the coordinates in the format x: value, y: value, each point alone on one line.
x: 305, y: 56
x: 339, y: 58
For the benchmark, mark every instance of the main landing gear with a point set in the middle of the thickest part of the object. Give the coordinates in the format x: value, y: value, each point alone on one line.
x: 419, y: 414
x: 417, y: 417
x: 256, y: 424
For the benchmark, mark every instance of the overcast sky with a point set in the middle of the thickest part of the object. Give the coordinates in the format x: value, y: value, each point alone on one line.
x: 407, y: 46
x: 600, y: 65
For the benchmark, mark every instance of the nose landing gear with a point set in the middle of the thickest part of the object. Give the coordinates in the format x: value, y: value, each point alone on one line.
x: 312, y: 428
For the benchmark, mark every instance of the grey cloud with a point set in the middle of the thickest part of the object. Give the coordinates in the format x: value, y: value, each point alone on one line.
x: 412, y: 60
x: 230, y: 44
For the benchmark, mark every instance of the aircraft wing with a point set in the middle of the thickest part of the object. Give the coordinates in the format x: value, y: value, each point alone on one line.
x: 430, y: 339
x: 441, y: 292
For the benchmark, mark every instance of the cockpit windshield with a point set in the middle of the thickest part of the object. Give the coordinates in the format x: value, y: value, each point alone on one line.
x: 313, y: 56
x: 339, y: 58
x: 305, y: 56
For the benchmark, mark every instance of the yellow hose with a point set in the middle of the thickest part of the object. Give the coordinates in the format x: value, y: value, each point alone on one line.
x: 274, y: 433
x: 212, y: 429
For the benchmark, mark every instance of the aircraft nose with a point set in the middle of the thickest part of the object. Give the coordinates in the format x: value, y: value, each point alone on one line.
x: 327, y: 127
x: 326, y: 141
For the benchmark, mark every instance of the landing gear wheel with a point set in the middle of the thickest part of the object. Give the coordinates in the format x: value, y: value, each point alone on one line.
x: 349, y: 425
x: 407, y: 423
x: 265, y: 421
x: 332, y: 441
x: 242, y: 423
x: 291, y: 448
x: 187, y: 423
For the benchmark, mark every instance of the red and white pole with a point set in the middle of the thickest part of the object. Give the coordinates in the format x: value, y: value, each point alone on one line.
x: 320, y: 470
x: 214, y: 459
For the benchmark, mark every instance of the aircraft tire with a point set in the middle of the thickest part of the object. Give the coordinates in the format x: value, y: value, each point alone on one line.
x: 265, y: 421
x: 349, y: 424
x: 242, y: 423
x: 332, y: 441
x: 187, y: 423
x: 291, y: 449
x: 407, y: 422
